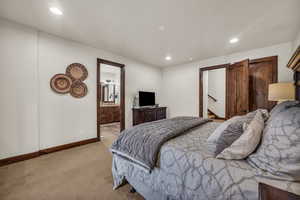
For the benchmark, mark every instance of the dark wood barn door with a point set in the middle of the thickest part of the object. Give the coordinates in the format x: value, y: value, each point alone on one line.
x: 262, y: 72
x: 238, y: 88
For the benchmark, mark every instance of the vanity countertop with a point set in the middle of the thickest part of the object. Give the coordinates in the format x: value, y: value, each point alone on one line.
x: 109, y: 105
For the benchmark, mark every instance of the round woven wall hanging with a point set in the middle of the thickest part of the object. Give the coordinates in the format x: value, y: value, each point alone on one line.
x: 78, y: 89
x: 77, y: 71
x: 61, y: 83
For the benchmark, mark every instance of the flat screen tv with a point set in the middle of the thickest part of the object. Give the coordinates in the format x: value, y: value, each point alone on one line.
x: 146, y: 98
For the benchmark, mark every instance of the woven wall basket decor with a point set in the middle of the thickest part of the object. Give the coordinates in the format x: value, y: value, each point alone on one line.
x: 78, y: 89
x: 61, y: 83
x: 77, y: 71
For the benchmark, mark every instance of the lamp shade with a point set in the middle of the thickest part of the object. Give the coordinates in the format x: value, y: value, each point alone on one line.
x: 281, y: 92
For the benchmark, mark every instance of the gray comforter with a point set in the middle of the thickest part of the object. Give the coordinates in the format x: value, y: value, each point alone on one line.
x: 186, y: 170
x: 141, y: 144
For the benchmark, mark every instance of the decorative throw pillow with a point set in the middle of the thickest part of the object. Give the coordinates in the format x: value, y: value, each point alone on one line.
x: 264, y: 113
x: 247, y: 142
x: 279, y: 152
x: 227, y: 133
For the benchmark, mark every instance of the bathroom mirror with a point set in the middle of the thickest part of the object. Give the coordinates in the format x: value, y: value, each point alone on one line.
x: 109, y: 93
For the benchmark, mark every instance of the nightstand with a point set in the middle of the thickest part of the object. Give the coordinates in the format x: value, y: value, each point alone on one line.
x: 267, y: 192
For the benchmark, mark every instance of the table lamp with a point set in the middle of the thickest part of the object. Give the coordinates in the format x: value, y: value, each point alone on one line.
x: 281, y: 92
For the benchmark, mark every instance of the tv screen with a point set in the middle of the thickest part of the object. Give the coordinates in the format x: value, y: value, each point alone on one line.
x: 146, y: 98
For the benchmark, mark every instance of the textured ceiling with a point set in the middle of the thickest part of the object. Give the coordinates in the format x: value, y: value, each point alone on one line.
x: 195, y: 29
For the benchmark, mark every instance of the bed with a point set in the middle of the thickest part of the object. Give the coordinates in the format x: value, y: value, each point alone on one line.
x: 185, y: 169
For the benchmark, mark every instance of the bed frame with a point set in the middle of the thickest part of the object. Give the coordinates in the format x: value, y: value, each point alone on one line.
x: 297, y: 83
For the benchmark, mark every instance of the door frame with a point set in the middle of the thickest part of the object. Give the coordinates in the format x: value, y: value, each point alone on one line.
x: 201, y: 70
x: 122, y: 99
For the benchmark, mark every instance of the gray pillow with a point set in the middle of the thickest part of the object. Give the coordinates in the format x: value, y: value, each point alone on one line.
x: 281, y: 107
x: 227, y: 133
x: 279, y: 152
x: 247, y: 142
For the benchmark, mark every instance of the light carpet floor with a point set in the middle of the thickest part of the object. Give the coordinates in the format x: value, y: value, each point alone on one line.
x: 79, y: 173
x: 113, y: 128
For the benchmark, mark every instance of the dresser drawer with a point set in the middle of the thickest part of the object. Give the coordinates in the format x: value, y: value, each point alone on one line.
x: 160, y: 113
x: 149, y: 116
x: 142, y: 115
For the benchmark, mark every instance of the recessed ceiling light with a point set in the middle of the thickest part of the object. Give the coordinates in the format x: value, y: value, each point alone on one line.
x: 161, y: 28
x: 168, y: 58
x: 191, y: 59
x: 234, y: 40
x: 56, y: 11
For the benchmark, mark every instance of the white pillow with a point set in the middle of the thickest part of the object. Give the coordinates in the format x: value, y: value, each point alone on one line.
x: 247, y: 142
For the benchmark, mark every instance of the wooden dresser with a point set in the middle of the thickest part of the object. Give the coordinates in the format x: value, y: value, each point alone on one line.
x: 142, y: 115
x: 109, y: 114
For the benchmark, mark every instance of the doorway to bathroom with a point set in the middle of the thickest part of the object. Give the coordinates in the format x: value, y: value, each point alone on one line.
x: 110, y: 98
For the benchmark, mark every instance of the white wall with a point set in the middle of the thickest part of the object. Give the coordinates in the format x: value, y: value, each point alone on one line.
x: 32, y: 116
x: 64, y: 119
x: 19, y: 92
x: 110, y: 76
x: 217, y: 89
x: 181, y: 83
x: 296, y: 43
